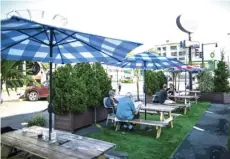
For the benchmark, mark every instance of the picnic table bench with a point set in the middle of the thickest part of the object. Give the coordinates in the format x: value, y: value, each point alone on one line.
x: 68, y: 146
x: 157, y: 124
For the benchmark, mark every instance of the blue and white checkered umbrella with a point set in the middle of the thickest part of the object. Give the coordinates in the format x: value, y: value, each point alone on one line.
x: 148, y: 61
x: 26, y: 40
x: 23, y: 39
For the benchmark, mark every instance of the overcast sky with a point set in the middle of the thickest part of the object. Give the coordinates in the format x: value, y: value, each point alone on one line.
x: 148, y: 21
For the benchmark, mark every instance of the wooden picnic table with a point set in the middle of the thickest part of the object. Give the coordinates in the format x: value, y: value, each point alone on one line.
x: 190, y: 91
x: 161, y: 109
x: 187, y: 99
x: 72, y: 146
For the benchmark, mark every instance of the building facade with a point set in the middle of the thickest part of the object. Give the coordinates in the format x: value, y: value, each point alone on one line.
x: 173, y: 50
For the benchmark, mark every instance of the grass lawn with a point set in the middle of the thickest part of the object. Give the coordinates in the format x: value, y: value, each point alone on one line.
x: 143, y: 145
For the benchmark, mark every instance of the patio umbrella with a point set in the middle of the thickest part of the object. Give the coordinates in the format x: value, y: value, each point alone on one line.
x: 148, y: 61
x: 26, y: 40
x: 185, y: 69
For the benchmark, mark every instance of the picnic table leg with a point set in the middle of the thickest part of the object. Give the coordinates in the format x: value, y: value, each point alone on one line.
x: 161, y: 116
x: 158, y: 132
x: 118, y: 126
x: 171, y: 122
x: 185, y: 109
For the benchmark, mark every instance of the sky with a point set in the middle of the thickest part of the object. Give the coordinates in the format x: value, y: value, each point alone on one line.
x: 150, y: 22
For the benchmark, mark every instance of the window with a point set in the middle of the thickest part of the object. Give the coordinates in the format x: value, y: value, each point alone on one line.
x: 164, y: 54
x: 182, y: 53
x: 173, y: 47
x: 182, y: 58
x: 173, y: 53
x: 160, y: 54
x: 159, y: 49
x: 164, y: 48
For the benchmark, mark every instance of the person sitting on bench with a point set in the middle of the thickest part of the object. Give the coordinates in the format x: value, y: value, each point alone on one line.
x: 161, y: 96
x: 111, y: 101
x: 126, y: 110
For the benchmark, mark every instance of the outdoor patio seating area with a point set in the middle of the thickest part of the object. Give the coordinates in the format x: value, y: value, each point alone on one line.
x: 86, y: 95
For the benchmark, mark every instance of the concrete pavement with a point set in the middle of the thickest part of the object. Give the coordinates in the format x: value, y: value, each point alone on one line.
x: 15, y: 108
x: 13, y: 95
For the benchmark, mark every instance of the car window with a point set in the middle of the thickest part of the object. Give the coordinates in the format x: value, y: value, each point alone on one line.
x: 46, y: 83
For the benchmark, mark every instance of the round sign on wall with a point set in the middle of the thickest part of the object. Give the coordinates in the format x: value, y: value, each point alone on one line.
x: 212, y: 54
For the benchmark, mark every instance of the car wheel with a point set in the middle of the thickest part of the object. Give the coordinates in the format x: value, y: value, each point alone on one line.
x: 33, y: 96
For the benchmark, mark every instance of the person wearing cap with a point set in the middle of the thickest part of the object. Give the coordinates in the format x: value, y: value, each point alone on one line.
x: 111, y: 101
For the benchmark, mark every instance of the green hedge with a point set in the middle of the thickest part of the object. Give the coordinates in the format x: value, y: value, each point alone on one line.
x: 154, y: 81
x: 79, y: 87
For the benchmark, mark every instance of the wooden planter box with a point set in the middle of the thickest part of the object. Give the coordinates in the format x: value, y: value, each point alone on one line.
x: 73, y: 121
x: 101, y: 114
x: 214, y: 97
x: 226, y: 98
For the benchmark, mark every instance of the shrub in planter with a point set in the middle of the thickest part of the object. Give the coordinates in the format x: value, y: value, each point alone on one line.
x: 69, y: 91
x: 221, y: 83
x: 38, y: 121
x: 104, y: 81
x: 161, y: 79
x: 152, y: 83
x: 93, y: 92
x: 205, y: 81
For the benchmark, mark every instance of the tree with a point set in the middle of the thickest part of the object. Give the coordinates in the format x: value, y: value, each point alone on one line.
x: 11, y: 75
x: 162, y: 79
x: 137, y: 74
x: 88, y: 75
x: 69, y: 91
x: 152, y: 83
x: 221, y: 83
x: 205, y: 81
x: 104, y: 81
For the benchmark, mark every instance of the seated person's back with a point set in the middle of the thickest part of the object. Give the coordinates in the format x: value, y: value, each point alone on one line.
x: 111, y: 101
x: 125, y: 109
x: 161, y: 96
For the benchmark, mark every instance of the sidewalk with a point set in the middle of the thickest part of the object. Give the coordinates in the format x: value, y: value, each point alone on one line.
x: 13, y: 96
x: 209, y: 137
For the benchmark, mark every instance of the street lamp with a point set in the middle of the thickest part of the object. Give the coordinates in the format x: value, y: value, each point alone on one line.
x: 202, y: 50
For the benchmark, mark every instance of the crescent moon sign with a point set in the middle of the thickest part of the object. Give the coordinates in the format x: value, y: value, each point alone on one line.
x: 178, y: 22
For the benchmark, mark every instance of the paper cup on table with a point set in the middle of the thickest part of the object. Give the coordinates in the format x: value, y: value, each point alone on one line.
x: 24, y: 126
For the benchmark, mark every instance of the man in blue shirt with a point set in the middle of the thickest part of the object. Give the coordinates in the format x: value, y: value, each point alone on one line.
x: 126, y: 109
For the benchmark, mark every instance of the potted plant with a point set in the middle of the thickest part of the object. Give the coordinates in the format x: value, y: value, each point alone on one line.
x: 215, y: 89
x: 105, y: 86
x: 69, y: 99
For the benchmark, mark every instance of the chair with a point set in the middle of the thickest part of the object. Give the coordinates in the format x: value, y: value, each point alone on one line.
x: 110, y: 116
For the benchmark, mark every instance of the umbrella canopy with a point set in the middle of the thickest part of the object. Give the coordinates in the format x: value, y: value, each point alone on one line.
x: 26, y: 40
x: 149, y: 61
x: 185, y: 69
x: 23, y: 39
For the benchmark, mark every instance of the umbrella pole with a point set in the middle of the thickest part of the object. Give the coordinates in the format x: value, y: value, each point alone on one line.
x: 50, y: 106
x: 145, y: 86
x: 185, y: 81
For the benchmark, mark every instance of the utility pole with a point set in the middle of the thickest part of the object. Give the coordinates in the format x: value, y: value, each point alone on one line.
x: 190, y: 61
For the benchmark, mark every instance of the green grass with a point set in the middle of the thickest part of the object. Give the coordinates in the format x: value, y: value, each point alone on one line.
x: 143, y: 145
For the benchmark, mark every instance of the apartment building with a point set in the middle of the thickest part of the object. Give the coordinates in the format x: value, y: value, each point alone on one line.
x: 175, y: 51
